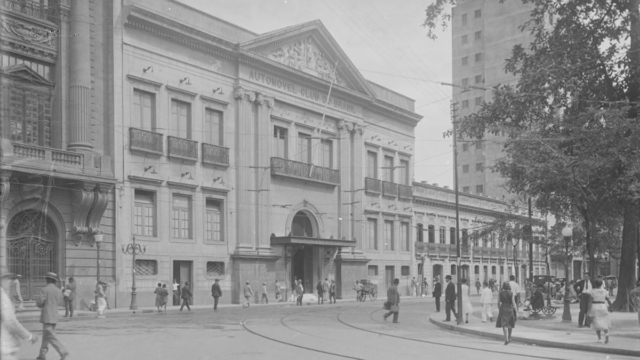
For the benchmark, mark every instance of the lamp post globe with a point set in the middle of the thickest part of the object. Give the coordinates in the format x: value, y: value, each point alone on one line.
x: 567, y: 233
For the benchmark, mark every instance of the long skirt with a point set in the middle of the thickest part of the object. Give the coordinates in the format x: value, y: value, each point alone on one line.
x: 600, y: 317
x: 506, y: 317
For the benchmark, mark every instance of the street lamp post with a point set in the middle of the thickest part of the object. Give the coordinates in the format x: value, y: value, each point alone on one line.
x: 515, y: 241
x: 133, y: 249
x: 567, y: 233
x: 98, y: 240
x: 454, y: 115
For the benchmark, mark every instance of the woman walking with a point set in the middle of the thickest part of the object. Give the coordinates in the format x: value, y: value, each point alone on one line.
x: 467, y: 308
x: 164, y: 297
x: 158, y: 296
x: 598, y: 310
x: 508, y: 311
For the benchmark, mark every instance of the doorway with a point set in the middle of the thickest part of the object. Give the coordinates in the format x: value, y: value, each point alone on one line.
x: 464, y: 273
x: 389, y: 275
x: 437, y: 272
x: 302, y: 268
x: 182, y: 272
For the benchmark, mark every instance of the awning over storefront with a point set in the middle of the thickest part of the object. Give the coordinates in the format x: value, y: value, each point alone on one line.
x: 302, y: 240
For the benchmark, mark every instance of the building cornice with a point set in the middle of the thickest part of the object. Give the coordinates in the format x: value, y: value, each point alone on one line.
x: 219, y: 102
x: 145, y: 180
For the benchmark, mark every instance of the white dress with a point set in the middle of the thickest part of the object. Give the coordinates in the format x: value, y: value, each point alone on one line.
x: 467, y: 308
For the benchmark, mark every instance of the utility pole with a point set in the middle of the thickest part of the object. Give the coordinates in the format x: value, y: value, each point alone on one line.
x: 454, y: 117
x: 531, y: 244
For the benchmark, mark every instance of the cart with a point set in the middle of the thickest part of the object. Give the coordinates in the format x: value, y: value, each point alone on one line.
x: 368, y: 289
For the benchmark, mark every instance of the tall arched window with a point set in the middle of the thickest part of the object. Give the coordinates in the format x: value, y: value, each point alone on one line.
x: 301, y: 225
x: 420, y: 234
x: 432, y: 234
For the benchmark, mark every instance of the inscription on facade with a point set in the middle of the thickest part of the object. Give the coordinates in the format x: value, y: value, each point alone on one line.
x: 300, y: 91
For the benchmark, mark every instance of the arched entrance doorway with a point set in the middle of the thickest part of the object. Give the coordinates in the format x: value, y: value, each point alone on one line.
x: 464, y: 273
x: 437, y: 272
x: 302, y: 262
x: 32, y: 250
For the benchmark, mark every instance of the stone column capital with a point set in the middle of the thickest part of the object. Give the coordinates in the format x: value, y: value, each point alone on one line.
x: 242, y: 94
x: 263, y: 99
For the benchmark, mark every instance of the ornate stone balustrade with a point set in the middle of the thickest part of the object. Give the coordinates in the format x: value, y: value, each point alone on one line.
x: 183, y: 149
x: 215, y: 155
x: 304, y: 171
x: 372, y: 185
x: 48, y: 156
x: 389, y: 189
x: 31, y: 8
x: 145, y: 141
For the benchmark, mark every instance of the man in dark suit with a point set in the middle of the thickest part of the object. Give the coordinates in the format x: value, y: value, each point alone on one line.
x: 437, y: 292
x: 583, y: 288
x: 450, y: 299
x: 216, y: 292
x: 49, y: 300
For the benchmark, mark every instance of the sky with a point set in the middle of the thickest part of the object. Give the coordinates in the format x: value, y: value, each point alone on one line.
x: 384, y: 39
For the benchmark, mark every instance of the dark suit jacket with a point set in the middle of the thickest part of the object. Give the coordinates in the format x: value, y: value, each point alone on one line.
x: 579, y: 286
x: 215, y: 290
x: 537, y: 300
x: 437, y: 290
x: 49, y: 300
x: 186, y: 293
x: 450, y: 292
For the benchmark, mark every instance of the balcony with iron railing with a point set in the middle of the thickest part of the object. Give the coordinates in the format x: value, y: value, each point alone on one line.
x: 215, y: 155
x: 145, y: 141
x: 182, y: 149
x: 35, y: 9
x: 389, y: 189
x: 440, y: 250
x: 372, y: 185
x: 304, y: 171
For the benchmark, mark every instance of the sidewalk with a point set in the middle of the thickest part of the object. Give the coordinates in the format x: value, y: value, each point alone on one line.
x: 624, y: 337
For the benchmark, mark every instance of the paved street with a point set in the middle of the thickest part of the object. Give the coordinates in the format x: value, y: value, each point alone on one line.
x: 346, y: 330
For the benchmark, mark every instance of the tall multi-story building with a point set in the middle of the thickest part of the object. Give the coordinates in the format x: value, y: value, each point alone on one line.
x: 56, y: 143
x: 484, y: 33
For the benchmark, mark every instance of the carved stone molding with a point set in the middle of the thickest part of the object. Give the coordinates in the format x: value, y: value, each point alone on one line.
x: 350, y: 126
x: 244, y: 94
x: 265, y: 100
x: 290, y: 251
x: 5, y: 185
x: 330, y: 254
x: 359, y: 129
x: 100, y: 201
x: 30, y: 33
x: 81, y: 201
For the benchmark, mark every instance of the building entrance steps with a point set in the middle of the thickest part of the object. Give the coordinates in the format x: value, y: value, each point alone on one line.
x: 624, y: 337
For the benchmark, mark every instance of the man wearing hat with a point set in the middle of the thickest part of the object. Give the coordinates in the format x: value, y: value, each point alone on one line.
x: 450, y: 298
x: 216, y: 292
x: 12, y: 331
x: 49, y: 301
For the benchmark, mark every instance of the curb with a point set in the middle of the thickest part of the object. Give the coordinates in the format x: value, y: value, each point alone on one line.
x: 539, y: 342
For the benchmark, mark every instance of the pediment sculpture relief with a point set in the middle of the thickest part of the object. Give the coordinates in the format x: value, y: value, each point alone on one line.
x: 305, y: 56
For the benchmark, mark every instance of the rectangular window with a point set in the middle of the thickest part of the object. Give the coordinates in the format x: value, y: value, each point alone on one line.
x: 213, y: 221
x: 146, y: 267
x: 373, y: 270
x: 465, y: 104
x: 372, y: 226
x: 432, y: 233
x: 304, y: 148
x: 452, y: 235
x: 465, y: 61
x: 372, y: 164
x: 478, y: 57
x: 28, y: 115
x: 465, y: 169
x: 479, y: 101
x: 464, y: 19
x: 326, y: 154
x: 479, y: 189
x: 404, y: 172
x: 465, y: 39
x: 144, y: 110
x: 279, y: 142
x: 144, y: 222
x: 213, y: 128
x: 443, y: 235
x: 465, y: 189
x: 478, y: 35
x: 479, y: 144
x: 465, y: 147
x: 215, y: 268
x: 181, y: 217
x: 478, y: 79
x: 404, y: 229
x: 478, y: 13
x: 388, y: 235
x: 388, y: 169
x: 465, y: 82
x: 479, y: 167
x: 405, y: 271
x: 180, y: 125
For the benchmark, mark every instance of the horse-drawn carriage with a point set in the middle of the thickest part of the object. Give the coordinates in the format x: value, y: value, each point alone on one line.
x: 368, y: 289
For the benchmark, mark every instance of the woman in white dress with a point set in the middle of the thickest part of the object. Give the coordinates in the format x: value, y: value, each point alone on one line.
x: 467, y: 308
x: 598, y: 310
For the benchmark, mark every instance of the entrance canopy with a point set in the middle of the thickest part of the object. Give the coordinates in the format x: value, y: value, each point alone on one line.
x: 303, y: 240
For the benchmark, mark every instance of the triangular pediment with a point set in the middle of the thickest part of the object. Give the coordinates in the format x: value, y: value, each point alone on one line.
x: 24, y: 73
x: 311, y: 49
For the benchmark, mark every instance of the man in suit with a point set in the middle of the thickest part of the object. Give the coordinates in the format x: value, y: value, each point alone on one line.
x: 325, y: 288
x: 583, y: 289
x: 450, y: 298
x: 216, y: 292
x: 393, y: 298
x: 186, y: 296
x: 49, y: 301
x: 437, y: 292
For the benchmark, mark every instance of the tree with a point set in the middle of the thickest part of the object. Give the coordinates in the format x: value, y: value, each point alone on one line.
x: 571, y: 122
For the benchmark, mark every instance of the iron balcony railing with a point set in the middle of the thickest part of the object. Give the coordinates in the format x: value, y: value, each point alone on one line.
x: 183, y: 149
x: 145, y: 141
x: 439, y: 250
x: 405, y: 192
x: 32, y: 8
x: 372, y: 185
x: 215, y: 155
x: 304, y: 171
x: 389, y: 189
